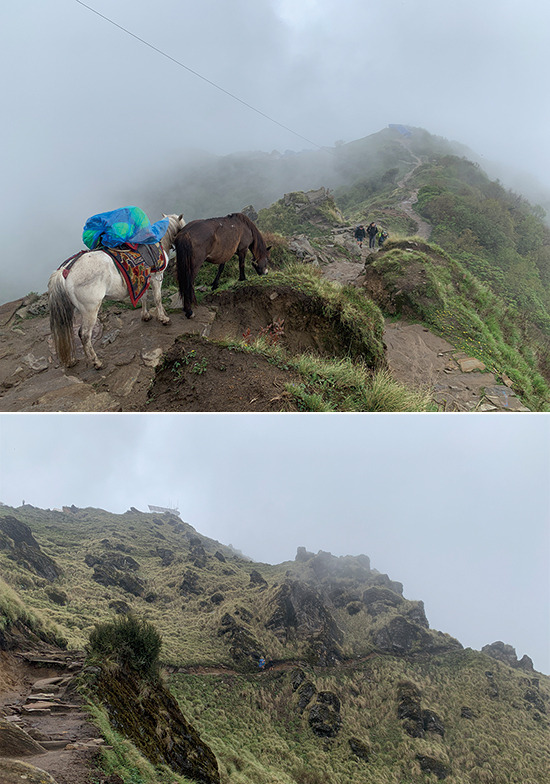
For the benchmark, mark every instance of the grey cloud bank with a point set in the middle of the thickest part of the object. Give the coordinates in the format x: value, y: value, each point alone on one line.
x: 93, y: 113
x: 456, y: 508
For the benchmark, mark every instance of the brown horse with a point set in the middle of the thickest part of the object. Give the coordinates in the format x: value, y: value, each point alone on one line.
x: 216, y: 240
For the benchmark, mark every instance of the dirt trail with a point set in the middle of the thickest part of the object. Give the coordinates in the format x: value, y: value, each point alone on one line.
x: 424, y: 228
x: 43, y: 714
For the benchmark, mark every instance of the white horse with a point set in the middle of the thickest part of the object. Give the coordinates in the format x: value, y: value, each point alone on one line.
x: 94, y: 276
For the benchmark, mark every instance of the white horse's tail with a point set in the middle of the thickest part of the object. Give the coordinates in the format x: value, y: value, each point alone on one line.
x: 61, y: 319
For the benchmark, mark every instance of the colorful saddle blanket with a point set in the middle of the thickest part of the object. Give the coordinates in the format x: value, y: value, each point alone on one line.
x: 135, y: 264
x: 125, y: 225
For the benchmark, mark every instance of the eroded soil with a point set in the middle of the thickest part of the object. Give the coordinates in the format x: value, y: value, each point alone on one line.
x: 198, y: 375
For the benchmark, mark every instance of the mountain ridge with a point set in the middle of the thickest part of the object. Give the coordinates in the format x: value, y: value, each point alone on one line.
x: 355, y: 684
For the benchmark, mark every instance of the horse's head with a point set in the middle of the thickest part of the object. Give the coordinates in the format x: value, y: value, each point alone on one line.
x: 176, y: 223
x: 260, y: 264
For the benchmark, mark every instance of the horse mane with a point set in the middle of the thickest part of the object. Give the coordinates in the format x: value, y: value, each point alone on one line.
x: 260, y: 248
x: 174, y: 226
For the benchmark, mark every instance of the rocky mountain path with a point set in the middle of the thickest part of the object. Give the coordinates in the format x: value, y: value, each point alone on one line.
x: 45, y: 733
x: 31, y: 378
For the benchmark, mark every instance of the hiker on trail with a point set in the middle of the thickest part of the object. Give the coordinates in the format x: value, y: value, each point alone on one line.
x: 382, y: 237
x: 261, y: 663
x: 372, y: 231
x: 360, y: 234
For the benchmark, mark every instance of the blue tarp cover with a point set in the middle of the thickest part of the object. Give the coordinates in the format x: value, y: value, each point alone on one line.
x: 402, y: 129
x: 127, y: 224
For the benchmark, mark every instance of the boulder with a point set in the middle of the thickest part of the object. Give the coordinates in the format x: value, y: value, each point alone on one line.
x: 166, y: 555
x: 120, y: 607
x: 297, y: 677
x: 385, y: 595
x: 417, y: 614
x: 57, y: 596
x: 501, y: 652
x: 244, y: 649
x: 359, y: 748
x: 189, y: 584
x: 15, y: 742
x: 106, y: 574
x: 400, y: 636
x: 16, y: 772
x: 526, y: 664
x: 533, y: 697
x: 306, y: 693
x: 431, y: 765
x: 409, y: 709
x: 256, y: 580
x: 324, y: 716
x: 432, y: 723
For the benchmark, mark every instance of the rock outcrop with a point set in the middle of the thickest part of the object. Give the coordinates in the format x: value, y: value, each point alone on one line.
x: 300, y: 614
x: 506, y: 653
x: 244, y: 648
x: 324, y: 716
x: 146, y: 713
x: 16, y: 537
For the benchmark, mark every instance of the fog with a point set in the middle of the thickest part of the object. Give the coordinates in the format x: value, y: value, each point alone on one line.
x: 91, y: 112
x: 457, y: 508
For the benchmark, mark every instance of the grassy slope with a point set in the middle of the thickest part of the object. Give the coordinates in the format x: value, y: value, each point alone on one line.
x: 258, y: 734
x: 455, y: 304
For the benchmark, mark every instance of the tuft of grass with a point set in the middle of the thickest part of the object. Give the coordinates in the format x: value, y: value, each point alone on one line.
x: 341, y: 384
x: 132, y: 642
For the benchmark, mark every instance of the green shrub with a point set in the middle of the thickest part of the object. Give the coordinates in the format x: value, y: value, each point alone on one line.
x: 131, y: 642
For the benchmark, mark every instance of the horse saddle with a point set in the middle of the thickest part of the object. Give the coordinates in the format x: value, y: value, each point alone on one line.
x: 136, y: 263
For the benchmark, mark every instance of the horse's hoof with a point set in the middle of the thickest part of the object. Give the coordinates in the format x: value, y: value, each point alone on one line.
x: 148, y: 317
x: 165, y: 322
x: 190, y: 315
x: 98, y: 365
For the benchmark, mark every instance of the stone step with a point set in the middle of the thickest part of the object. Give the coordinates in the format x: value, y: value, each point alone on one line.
x: 50, y: 745
x: 52, y: 706
x: 49, y: 684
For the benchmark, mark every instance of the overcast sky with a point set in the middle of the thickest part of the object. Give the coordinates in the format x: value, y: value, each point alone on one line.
x: 90, y: 112
x: 455, y: 507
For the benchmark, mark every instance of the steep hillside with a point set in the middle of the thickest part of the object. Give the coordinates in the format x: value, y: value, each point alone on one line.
x: 356, y: 684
